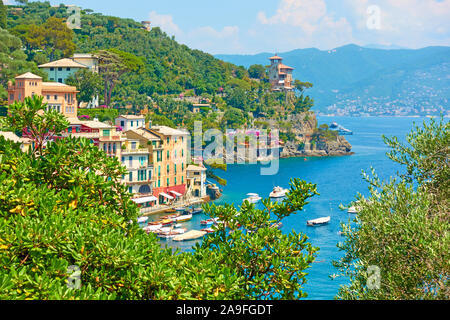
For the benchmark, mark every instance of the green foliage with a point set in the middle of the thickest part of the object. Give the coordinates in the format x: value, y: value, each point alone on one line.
x: 268, y: 263
x: 89, y: 84
x: 13, y: 60
x: 3, y: 15
x: 67, y: 207
x: 403, y: 228
x: 102, y: 114
x: 257, y: 71
x: 40, y: 128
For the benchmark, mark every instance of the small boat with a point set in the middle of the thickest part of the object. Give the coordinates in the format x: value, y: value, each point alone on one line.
x: 170, y: 211
x: 278, y: 192
x: 142, y: 219
x: 319, y: 222
x: 166, y: 222
x: 353, y: 210
x: 209, y: 222
x: 182, y: 218
x: 208, y: 230
x: 253, y: 198
x: 191, y: 235
x: 195, y: 211
x: 153, y: 228
x: 181, y: 210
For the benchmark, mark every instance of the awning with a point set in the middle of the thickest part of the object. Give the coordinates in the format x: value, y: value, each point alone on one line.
x: 165, y: 195
x: 177, y: 194
x: 145, y: 200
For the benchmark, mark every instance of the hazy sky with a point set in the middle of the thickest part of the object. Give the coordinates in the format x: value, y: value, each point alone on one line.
x: 252, y: 26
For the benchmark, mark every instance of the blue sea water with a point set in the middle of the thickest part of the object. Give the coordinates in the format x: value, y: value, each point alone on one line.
x: 339, y: 179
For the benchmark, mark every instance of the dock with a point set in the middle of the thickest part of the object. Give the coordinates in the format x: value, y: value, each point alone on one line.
x: 159, y: 209
x: 191, y: 235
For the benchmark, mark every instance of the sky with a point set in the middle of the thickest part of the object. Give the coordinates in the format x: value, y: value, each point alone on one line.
x: 254, y: 26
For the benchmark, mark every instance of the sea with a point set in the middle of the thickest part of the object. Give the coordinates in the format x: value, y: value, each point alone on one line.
x: 339, y: 179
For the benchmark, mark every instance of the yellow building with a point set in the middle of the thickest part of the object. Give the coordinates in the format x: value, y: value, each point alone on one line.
x: 58, y: 96
x: 171, y: 163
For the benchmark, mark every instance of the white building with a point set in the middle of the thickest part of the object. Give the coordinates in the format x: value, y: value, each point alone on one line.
x: 130, y: 122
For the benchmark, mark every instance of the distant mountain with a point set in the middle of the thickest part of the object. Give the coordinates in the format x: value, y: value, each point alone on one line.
x: 354, y: 75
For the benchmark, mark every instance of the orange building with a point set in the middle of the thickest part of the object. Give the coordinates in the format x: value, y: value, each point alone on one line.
x: 58, y: 96
x: 280, y: 75
x: 170, y: 163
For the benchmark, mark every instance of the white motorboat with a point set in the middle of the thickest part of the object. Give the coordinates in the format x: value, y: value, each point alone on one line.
x: 142, y: 219
x: 253, y: 198
x: 319, y: 222
x: 352, y: 210
x: 278, y: 192
x: 182, y: 218
x: 153, y: 228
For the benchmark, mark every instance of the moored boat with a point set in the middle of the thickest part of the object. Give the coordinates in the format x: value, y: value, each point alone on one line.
x: 209, y: 222
x: 319, y: 222
x: 253, y: 198
x: 182, y: 218
x: 278, y: 192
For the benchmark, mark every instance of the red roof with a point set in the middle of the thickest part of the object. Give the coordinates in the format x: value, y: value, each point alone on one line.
x: 275, y: 57
x: 283, y: 66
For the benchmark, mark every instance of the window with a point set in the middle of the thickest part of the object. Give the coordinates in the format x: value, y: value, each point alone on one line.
x: 52, y: 69
x: 59, y: 69
x: 123, y: 159
x: 131, y: 123
x: 133, y: 145
x: 182, y: 179
x: 114, y: 148
x: 168, y: 140
x: 130, y: 189
x: 56, y: 97
x: 175, y: 180
x: 159, y: 183
x: 168, y: 182
x: 131, y: 161
x: 168, y: 155
x: 130, y: 177
x: 67, y: 69
x: 168, y: 168
x: 106, y: 133
x: 11, y: 97
x: 175, y: 168
x: 60, y: 80
x: 122, y: 124
x: 48, y: 97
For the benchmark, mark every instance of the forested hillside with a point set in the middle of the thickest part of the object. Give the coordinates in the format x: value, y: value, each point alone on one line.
x: 149, y: 69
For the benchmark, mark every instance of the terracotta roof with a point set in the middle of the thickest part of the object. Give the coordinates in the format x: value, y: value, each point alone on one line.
x: 145, y: 134
x: 275, y: 57
x: 28, y: 75
x: 283, y: 66
x: 167, y: 131
x: 195, y: 168
x: 62, y: 63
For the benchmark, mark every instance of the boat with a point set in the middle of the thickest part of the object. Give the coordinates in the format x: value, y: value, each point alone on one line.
x: 194, y: 211
x: 142, y: 219
x: 153, y: 228
x: 319, y: 222
x: 352, y: 210
x: 181, y: 210
x: 170, y: 211
x: 191, y: 235
x: 278, y: 192
x: 166, y: 222
x: 209, y: 222
x: 208, y: 230
x: 253, y: 198
x: 182, y: 218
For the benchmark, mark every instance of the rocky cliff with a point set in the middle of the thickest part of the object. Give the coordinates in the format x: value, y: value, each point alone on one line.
x: 312, y: 140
